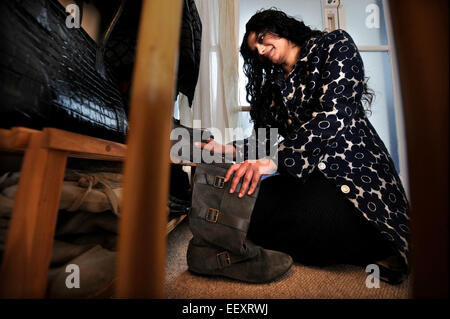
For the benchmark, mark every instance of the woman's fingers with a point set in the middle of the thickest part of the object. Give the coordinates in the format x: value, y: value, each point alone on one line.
x: 250, y: 177
x: 210, y: 143
x: 255, y: 180
x: 246, y: 181
x: 214, y: 147
x: 199, y: 144
x: 231, y: 171
x: 237, y: 176
x: 210, y: 146
x: 252, y: 172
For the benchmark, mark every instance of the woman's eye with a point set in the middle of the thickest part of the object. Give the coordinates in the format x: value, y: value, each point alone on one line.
x: 261, y: 38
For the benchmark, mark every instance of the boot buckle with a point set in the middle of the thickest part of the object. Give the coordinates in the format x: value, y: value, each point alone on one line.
x: 219, y: 181
x: 212, y: 215
x: 226, y: 258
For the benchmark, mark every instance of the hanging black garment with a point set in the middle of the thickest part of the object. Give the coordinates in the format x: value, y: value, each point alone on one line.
x: 120, y: 50
x: 189, y: 56
x: 49, y: 77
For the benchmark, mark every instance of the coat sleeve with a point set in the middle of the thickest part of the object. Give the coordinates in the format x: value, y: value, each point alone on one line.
x: 340, y: 84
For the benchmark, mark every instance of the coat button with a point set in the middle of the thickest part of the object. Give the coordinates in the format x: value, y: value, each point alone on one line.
x: 345, y: 189
x: 321, y: 166
x: 289, y: 121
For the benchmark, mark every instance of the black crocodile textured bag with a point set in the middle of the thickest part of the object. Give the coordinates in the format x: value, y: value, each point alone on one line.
x: 48, y: 74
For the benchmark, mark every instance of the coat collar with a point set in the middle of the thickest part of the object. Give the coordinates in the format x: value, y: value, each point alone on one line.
x: 301, y: 61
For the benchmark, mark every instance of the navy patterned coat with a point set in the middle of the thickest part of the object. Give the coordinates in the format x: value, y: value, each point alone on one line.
x: 322, y: 97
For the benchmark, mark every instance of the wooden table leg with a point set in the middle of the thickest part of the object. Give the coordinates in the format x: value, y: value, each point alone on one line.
x: 30, y: 236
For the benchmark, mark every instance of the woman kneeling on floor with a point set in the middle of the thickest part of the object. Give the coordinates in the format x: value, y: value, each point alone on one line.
x: 333, y: 194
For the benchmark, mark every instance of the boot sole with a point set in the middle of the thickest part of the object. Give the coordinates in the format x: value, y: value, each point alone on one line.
x: 222, y: 275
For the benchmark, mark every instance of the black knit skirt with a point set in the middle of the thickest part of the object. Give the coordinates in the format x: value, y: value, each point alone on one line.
x: 314, y: 223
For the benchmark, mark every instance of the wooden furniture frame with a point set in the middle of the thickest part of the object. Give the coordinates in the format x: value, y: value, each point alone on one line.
x: 32, y: 227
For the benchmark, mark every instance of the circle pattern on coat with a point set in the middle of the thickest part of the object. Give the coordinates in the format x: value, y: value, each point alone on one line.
x: 371, y: 206
x: 339, y: 89
x: 362, y: 133
x: 348, y: 111
x: 392, y: 197
x: 316, y: 151
x: 366, y: 179
x: 289, y: 162
x: 324, y: 125
x: 355, y: 69
x: 388, y: 236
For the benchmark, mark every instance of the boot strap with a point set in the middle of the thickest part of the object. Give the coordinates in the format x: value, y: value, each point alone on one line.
x: 223, y: 259
x: 214, y: 180
x: 213, y: 215
x: 217, y: 181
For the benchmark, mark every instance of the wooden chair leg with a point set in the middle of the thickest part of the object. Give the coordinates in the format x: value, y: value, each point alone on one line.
x: 143, y: 224
x: 30, y: 237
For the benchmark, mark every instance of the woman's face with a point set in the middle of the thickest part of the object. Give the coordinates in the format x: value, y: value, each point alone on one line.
x: 269, y: 47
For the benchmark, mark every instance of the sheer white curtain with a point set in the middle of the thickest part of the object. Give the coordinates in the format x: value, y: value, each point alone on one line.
x: 215, y: 101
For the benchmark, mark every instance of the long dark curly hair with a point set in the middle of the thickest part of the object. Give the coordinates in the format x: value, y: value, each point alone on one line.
x: 260, y: 74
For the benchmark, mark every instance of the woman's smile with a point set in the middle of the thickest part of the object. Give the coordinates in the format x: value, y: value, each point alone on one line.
x: 269, y: 53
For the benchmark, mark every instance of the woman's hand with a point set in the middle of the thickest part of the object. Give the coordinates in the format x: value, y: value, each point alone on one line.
x: 251, y: 171
x: 217, y: 148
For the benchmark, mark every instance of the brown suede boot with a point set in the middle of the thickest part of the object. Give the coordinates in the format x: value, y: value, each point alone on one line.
x: 219, y: 222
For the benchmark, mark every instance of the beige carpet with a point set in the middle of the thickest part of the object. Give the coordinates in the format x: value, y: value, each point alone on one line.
x: 300, y: 282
